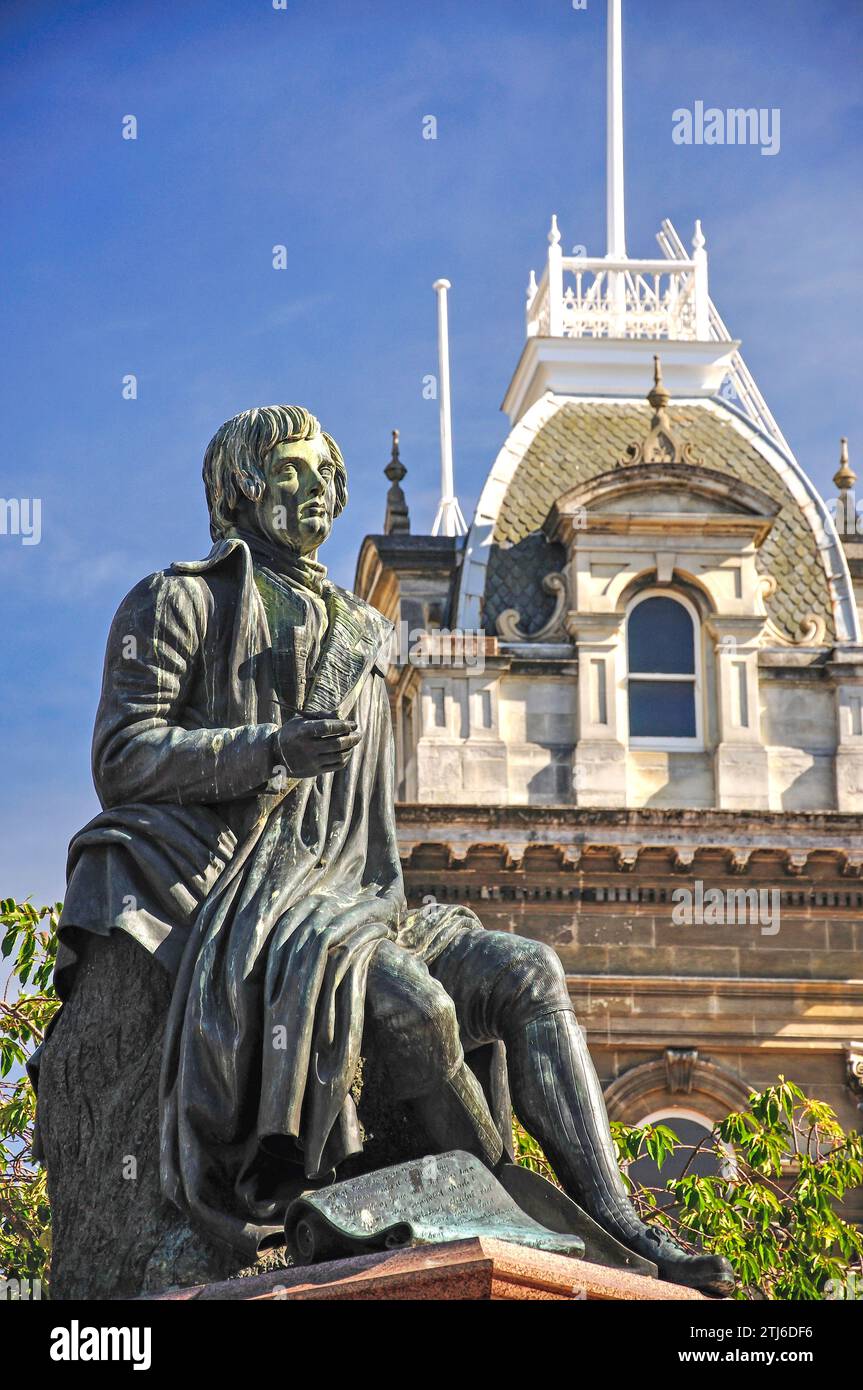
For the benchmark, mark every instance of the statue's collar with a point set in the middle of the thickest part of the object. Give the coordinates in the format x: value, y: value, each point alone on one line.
x: 295, y: 568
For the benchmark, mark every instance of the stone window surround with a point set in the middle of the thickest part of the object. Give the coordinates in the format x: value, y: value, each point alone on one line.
x: 708, y: 555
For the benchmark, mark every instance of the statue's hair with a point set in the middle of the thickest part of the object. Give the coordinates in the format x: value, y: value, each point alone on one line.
x: 233, y: 463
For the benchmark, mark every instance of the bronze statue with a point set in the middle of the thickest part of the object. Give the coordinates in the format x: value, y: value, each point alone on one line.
x: 243, y: 756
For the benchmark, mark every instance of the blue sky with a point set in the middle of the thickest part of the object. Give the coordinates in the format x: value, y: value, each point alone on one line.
x: 304, y: 127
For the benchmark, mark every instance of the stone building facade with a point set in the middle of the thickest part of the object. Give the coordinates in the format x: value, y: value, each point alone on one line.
x: 628, y: 702
x: 641, y: 672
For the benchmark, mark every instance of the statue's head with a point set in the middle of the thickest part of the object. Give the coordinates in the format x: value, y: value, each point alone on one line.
x: 275, y: 473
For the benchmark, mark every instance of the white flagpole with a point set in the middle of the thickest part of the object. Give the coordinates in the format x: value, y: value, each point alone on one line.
x: 614, y: 134
x: 449, y: 520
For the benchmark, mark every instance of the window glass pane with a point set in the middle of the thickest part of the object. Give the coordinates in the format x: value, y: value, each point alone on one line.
x: 661, y: 709
x: 705, y: 1164
x: 660, y: 637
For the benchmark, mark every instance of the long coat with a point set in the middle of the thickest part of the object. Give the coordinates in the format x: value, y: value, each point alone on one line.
x: 204, y: 852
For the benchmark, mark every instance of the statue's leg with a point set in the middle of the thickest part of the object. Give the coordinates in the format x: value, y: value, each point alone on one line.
x: 510, y: 988
x: 412, y: 1026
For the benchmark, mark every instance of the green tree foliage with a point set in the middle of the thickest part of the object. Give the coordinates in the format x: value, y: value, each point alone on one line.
x: 28, y: 948
x: 784, y: 1165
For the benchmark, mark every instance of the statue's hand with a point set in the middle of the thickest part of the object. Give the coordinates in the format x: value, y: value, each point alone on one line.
x: 308, y: 747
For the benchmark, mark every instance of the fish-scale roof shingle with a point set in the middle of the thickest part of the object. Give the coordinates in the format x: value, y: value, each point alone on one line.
x: 585, y: 438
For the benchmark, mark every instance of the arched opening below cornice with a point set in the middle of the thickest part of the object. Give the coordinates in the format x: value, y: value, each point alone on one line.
x: 678, y: 1078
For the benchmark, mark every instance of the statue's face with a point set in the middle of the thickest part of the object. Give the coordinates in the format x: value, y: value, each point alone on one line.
x: 296, y: 509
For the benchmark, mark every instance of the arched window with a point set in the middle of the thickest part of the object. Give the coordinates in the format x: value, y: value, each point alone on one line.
x: 696, y: 1154
x: 663, y: 672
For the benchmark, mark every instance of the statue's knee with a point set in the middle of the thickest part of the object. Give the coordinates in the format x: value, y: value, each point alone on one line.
x: 547, y: 962
x: 539, y: 979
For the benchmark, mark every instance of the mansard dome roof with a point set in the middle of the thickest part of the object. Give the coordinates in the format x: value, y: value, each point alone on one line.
x: 562, y: 443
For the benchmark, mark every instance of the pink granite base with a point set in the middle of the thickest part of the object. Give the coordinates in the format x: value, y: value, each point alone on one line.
x: 478, y: 1268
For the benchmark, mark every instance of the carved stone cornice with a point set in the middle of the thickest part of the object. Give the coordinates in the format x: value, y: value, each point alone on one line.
x: 803, y: 849
x: 744, y: 1012
x: 738, y: 860
x: 683, y: 858
x: 795, y: 863
x: 845, y: 664
x: 731, y: 505
x: 626, y: 857
x: 592, y: 627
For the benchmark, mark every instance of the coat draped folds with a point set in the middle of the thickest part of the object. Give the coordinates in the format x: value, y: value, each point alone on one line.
x: 265, y: 1028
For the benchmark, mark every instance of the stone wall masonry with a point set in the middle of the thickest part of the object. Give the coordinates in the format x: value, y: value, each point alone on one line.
x: 598, y: 886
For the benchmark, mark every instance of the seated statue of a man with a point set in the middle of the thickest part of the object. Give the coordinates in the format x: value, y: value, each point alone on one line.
x: 243, y: 755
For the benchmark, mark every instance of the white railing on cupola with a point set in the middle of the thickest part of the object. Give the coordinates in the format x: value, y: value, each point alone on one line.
x: 617, y: 297
x: 740, y: 386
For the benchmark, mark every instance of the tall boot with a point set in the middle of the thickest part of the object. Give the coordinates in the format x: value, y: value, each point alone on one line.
x: 558, y: 1099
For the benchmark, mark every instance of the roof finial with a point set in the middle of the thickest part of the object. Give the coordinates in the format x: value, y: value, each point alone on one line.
x: 658, y: 395
x: 845, y: 477
x: 699, y: 241
x: 661, y: 444
x: 554, y: 231
x: 397, y: 517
